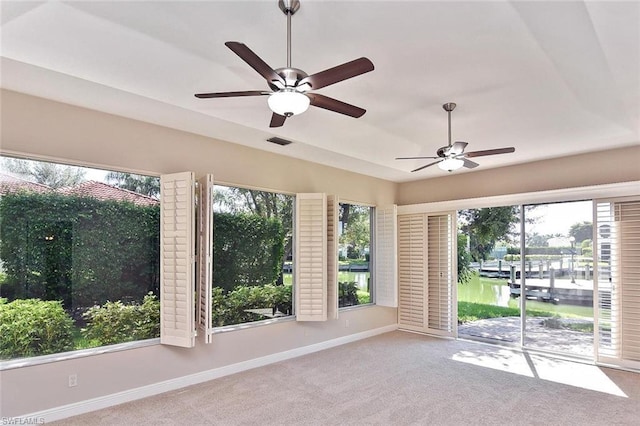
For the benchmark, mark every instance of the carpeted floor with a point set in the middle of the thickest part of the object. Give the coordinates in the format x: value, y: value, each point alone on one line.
x: 398, y: 378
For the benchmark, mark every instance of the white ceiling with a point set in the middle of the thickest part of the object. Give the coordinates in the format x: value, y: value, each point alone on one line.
x: 550, y: 78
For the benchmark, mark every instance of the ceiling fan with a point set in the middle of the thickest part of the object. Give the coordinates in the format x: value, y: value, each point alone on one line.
x: 290, y: 87
x: 452, y: 157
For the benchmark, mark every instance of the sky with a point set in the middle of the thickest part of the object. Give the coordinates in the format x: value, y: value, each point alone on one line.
x: 557, y: 218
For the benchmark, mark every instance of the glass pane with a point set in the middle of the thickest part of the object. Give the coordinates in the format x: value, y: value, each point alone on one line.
x: 354, y: 251
x: 488, y: 274
x: 252, y: 255
x: 79, y: 258
x: 559, y: 277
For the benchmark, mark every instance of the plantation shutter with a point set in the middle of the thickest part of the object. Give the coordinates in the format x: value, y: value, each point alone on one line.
x: 441, y: 274
x: 617, y: 249
x: 332, y: 257
x: 412, y: 258
x: 386, y: 258
x: 310, y: 275
x: 205, y: 257
x: 177, y: 260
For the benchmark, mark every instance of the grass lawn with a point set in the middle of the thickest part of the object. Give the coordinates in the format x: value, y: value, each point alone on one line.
x: 468, y: 311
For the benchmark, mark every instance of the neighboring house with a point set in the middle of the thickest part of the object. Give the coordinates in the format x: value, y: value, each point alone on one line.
x: 559, y: 242
x: 103, y: 191
x: 91, y: 188
x: 10, y: 184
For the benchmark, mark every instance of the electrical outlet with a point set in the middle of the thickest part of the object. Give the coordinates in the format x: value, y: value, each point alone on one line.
x: 73, y: 380
x: 346, y: 323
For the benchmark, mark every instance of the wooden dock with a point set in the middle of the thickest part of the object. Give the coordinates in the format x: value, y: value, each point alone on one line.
x: 556, y: 291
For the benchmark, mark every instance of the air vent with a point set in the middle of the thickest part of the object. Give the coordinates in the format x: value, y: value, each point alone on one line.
x: 279, y: 141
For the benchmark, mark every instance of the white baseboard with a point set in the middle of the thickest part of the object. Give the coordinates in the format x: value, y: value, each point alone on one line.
x: 93, y: 404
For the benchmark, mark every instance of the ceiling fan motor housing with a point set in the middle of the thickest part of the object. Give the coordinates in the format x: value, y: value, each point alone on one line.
x: 292, y: 78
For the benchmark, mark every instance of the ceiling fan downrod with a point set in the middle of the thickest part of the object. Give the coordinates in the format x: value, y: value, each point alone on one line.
x: 450, y: 106
x: 289, y: 7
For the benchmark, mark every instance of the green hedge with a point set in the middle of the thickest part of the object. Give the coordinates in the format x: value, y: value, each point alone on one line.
x: 34, y: 327
x: 115, y: 322
x: 79, y: 250
x: 248, y: 250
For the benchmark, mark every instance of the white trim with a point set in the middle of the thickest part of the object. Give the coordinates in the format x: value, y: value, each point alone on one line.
x: 622, y: 189
x: 79, y: 353
x: 93, y: 404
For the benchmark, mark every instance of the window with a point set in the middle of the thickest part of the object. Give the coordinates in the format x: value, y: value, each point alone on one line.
x: 79, y: 258
x: 252, y: 255
x: 354, y: 254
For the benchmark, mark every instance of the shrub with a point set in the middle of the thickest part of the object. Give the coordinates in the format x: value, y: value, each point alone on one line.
x: 115, y: 322
x: 348, y: 294
x: 364, y: 297
x: 231, y: 308
x: 31, y: 327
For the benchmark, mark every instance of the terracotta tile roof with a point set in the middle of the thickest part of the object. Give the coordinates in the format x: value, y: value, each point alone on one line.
x: 103, y: 191
x: 10, y: 184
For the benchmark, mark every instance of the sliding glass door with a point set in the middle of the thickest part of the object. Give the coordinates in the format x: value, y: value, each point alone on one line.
x: 538, y: 261
x: 558, y: 275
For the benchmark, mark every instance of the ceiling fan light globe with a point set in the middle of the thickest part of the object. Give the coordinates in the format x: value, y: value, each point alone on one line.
x: 288, y: 102
x: 451, y: 164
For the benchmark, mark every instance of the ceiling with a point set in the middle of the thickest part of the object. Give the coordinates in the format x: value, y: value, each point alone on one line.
x: 548, y: 78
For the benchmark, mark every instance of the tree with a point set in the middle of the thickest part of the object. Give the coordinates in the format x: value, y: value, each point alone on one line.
x: 538, y: 240
x: 486, y: 226
x: 356, y: 236
x: 581, y: 231
x: 146, y: 185
x: 50, y: 174
x: 464, y: 260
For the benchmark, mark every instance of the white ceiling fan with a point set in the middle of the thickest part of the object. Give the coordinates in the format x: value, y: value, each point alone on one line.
x: 452, y: 157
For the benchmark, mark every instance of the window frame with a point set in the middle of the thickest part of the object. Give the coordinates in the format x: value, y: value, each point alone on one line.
x: 11, y: 364
x: 372, y: 254
x: 260, y: 323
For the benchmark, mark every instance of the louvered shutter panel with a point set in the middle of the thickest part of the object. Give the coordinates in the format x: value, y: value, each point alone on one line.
x: 205, y: 258
x: 332, y: 257
x: 386, y: 258
x: 440, y: 274
x: 177, y: 260
x: 310, y: 275
x: 411, y: 271
x: 617, y: 239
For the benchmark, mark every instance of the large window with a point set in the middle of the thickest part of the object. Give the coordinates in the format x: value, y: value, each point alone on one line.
x: 354, y: 255
x: 252, y: 255
x: 79, y: 252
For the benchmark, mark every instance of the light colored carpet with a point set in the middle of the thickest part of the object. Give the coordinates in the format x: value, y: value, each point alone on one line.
x: 401, y: 379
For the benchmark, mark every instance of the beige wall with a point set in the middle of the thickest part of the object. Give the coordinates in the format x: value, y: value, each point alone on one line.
x: 40, y: 128
x: 611, y: 166
x: 43, y: 128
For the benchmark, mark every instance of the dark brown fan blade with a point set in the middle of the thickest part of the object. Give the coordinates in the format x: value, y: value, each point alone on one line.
x: 469, y: 164
x: 489, y: 152
x: 415, y: 158
x: 277, y: 120
x: 458, y: 148
x: 232, y: 94
x: 335, y: 105
x: 339, y: 73
x: 254, y: 61
x: 424, y: 167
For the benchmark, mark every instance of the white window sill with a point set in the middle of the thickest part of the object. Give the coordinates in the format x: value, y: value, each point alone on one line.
x: 81, y: 353
x: 253, y: 324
